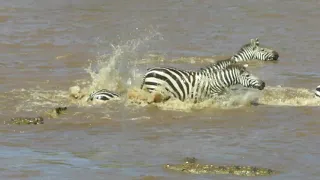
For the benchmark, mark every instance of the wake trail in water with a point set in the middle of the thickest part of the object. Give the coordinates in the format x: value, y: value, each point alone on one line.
x: 288, y: 96
x: 272, y: 96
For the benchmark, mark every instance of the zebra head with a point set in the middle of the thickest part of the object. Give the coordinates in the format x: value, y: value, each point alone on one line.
x: 102, y: 95
x: 253, y: 50
x: 249, y: 80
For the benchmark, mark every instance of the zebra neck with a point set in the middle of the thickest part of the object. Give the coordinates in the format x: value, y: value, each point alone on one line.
x: 211, y: 69
x: 208, y: 70
x: 242, y: 56
x: 224, y: 79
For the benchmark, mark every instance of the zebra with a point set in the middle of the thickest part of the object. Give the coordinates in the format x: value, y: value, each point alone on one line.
x: 317, y: 92
x: 253, y: 50
x: 102, y: 95
x: 247, y: 52
x: 198, y: 85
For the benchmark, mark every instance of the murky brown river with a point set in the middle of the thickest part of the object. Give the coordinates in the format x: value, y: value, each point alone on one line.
x: 49, y: 46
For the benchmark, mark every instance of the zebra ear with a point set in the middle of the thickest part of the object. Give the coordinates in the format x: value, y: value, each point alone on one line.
x: 255, y: 42
x: 252, y: 41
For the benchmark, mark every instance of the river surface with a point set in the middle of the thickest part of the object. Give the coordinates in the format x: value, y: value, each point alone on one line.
x: 49, y: 46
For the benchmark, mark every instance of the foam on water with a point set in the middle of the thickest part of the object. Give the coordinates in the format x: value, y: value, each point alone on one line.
x: 231, y: 99
x: 38, y: 100
x: 283, y: 96
x: 35, y: 99
x: 288, y: 96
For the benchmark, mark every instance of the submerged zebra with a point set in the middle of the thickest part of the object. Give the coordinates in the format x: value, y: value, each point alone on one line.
x: 102, y: 95
x: 253, y: 50
x: 198, y: 85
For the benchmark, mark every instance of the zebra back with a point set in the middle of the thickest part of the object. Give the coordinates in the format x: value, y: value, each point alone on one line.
x: 176, y: 82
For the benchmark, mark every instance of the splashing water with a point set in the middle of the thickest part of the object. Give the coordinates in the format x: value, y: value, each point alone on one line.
x: 114, y: 71
x: 117, y: 71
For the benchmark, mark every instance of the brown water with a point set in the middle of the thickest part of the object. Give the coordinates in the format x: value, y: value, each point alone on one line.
x: 45, y: 47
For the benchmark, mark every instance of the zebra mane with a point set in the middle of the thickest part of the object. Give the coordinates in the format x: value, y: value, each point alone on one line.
x: 245, y: 46
x: 253, y: 42
x: 218, y: 63
x: 239, y: 67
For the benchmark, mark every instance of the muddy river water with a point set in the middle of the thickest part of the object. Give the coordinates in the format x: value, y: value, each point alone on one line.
x: 49, y: 46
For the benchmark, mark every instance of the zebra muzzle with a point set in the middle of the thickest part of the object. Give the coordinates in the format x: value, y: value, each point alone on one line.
x: 261, y: 87
x: 275, y: 55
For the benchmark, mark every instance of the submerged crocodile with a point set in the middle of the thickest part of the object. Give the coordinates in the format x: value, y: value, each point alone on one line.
x: 191, y: 166
x: 53, y: 113
x: 26, y: 120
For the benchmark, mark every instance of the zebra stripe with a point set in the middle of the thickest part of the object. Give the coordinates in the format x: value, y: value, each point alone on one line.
x: 103, y: 95
x: 253, y: 50
x: 198, y: 85
x: 317, y: 91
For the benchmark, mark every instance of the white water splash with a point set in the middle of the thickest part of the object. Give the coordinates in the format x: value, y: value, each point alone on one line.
x: 117, y: 71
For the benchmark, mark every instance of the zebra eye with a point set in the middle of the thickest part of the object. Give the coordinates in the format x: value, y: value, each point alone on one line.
x: 104, y: 98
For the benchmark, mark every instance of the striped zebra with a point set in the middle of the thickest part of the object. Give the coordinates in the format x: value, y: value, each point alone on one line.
x: 253, y: 50
x: 317, y: 92
x: 102, y: 95
x: 198, y: 85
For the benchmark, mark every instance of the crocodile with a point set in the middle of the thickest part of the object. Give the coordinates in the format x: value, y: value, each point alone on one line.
x: 191, y: 166
x: 26, y: 120
x: 52, y: 113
